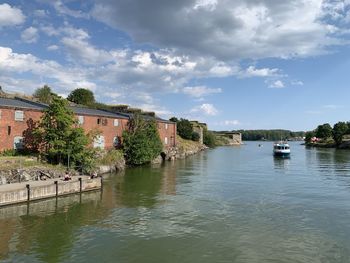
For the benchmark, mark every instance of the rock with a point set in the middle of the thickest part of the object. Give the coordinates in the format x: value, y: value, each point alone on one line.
x: 158, y: 159
x: 25, y: 176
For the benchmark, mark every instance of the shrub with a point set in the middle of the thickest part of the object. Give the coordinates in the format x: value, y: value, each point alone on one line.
x: 195, y: 136
x: 209, y: 138
x: 141, y: 141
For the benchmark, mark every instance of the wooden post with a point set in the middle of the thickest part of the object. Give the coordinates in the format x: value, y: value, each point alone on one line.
x: 28, y: 192
x: 56, y: 183
x: 80, y: 184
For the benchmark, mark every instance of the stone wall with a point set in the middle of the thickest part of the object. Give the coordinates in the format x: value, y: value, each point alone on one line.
x: 23, y: 192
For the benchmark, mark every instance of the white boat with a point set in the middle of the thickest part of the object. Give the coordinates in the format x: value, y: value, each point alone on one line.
x: 281, y: 149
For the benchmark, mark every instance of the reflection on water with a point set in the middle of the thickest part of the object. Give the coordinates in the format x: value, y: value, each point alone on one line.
x: 222, y: 205
x: 281, y: 163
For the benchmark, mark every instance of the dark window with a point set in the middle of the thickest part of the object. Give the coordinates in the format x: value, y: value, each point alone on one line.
x: 98, y: 121
x: 8, y: 130
x: 104, y: 122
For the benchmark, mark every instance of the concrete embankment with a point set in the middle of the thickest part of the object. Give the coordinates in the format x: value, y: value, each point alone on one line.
x: 37, y: 190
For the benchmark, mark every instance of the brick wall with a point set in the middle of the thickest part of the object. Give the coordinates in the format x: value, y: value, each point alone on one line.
x: 11, y: 128
x: 167, y: 133
x: 106, y: 127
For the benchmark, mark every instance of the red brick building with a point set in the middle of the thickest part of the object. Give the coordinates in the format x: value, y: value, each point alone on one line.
x: 17, y: 115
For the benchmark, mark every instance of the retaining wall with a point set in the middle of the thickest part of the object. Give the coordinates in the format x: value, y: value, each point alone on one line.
x: 24, y: 192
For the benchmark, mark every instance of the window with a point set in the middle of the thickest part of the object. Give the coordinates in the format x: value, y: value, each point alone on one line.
x: 116, y: 141
x: 18, y: 143
x: 19, y: 115
x: 166, y: 126
x: 8, y: 130
x: 81, y: 120
x: 100, y: 121
x: 104, y: 122
x: 166, y: 140
x: 0, y: 114
x: 116, y: 122
x: 99, y: 142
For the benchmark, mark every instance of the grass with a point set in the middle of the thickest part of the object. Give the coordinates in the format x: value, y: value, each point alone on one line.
x: 186, y: 145
x: 19, y: 162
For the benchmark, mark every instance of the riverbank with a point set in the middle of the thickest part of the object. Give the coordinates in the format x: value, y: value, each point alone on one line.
x: 16, y: 169
x: 329, y: 144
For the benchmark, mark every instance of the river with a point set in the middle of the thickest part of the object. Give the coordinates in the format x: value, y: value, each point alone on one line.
x: 229, y: 204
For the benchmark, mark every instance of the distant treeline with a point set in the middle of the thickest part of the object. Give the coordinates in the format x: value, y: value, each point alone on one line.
x: 270, y: 135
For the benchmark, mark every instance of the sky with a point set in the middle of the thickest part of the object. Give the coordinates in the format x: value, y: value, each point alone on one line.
x: 243, y: 64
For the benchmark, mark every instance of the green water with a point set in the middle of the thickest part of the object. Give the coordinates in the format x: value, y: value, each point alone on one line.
x: 230, y: 204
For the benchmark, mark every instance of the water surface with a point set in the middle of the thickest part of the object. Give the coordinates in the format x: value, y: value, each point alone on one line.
x: 229, y: 204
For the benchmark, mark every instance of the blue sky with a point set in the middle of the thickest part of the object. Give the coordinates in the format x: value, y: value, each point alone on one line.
x: 244, y: 64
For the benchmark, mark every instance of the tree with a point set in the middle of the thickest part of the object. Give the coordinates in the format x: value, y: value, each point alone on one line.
x: 184, y: 129
x: 324, y: 131
x: 141, y: 141
x: 309, y: 135
x: 44, y: 94
x: 339, y: 130
x: 61, y: 141
x: 209, y: 138
x: 82, y: 96
x: 195, y: 136
x: 173, y: 119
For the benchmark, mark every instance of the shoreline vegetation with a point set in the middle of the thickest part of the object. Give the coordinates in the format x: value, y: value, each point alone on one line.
x: 326, y: 136
x: 57, y: 143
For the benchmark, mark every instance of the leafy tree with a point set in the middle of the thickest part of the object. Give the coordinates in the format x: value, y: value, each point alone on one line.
x: 195, y: 137
x: 61, y: 141
x: 270, y: 135
x: 209, y: 138
x: 339, y: 130
x: 44, y: 94
x: 324, y: 131
x: 82, y: 96
x: 309, y: 135
x: 173, y: 119
x: 184, y: 129
x: 141, y: 141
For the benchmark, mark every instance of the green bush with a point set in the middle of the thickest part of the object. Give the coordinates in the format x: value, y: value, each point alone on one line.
x: 141, y: 141
x: 184, y: 129
x: 209, y: 139
x: 112, y: 157
x: 195, y: 136
x: 9, y: 152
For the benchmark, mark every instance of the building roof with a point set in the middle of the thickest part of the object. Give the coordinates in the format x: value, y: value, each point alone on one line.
x: 21, y: 103
x: 147, y: 117
x: 28, y: 104
x: 96, y: 112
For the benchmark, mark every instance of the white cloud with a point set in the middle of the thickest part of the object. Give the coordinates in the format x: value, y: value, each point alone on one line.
x: 10, y: 16
x: 200, y: 91
x: 30, y: 35
x: 53, y: 47
x: 206, y: 109
x: 277, y: 84
x: 160, y: 111
x: 297, y: 83
x: 313, y: 112
x: 84, y: 52
x: 64, y: 78
x: 64, y: 10
x: 231, y: 123
x: 251, y: 71
x: 41, y: 13
x: 227, y: 30
x: 333, y: 106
